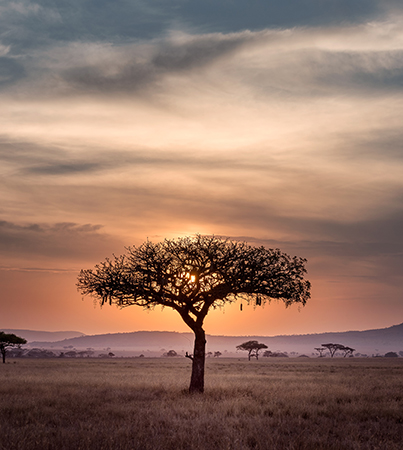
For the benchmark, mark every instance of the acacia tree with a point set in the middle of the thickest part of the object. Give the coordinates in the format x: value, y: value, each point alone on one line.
x: 192, y: 275
x: 348, y: 351
x: 9, y: 340
x: 333, y: 348
x: 252, y: 347
x: 320, y: 350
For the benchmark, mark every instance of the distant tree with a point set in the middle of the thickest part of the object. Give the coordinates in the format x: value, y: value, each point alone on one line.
x: 40, y: 353
x: 270, y: 354
x: 8, y: 341
x: 106, y: 355
x: 171, y: 353
x: 71, y: 354
x: 193, y: 275
x: 85, y: 353
x: 217, y: 354
x: 333, y: 348
x: 320, y: 350
x: 16, y: 352
x: 348, y: 351
x: 209, y: 354
x: 252, y: 347
x: 391, y: 355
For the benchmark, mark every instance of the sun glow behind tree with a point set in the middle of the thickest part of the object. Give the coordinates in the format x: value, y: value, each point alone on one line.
x: 194, y: 275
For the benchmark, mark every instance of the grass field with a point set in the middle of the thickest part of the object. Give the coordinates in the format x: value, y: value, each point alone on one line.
x: 142, y: 404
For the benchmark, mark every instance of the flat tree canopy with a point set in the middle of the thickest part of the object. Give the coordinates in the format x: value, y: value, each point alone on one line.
x: 252, y: 347
x: 333, y: 348
x: 9, y: 340
x: 192, y: 275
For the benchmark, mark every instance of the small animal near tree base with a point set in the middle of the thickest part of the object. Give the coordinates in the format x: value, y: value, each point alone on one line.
x: 192, y: 275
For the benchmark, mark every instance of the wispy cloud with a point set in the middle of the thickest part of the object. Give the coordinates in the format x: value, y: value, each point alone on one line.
x: 55, y: 241
x: 301, y: 61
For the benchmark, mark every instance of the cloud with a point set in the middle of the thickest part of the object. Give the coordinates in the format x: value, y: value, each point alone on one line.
x: 370, y: 249
x: 105, y: 68
x: 235, y: 15
x: 4, y: 50
x: 24, y: 158
x: 63, y: 169
x: 60, y: 241
x: 259, y: 188
x: 33, y: 24
x: 291, y: 131
x: 349, y: 59
x: 11, y: 71
x: 366, y: 146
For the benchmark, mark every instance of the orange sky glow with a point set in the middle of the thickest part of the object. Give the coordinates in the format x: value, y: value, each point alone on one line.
x: 285, y: 133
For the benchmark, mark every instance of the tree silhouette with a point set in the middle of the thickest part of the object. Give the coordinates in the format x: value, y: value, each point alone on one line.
x: 333, y: 348
x: 348, y: 351
x: 7, y: 341
x: 320, y: 350
x: 252, y: 347
x: 269, y: 354
x: 192, y: 275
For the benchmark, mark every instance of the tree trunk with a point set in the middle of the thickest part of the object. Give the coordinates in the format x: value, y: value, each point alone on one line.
x: 199, y: 356
x: 4, y: 356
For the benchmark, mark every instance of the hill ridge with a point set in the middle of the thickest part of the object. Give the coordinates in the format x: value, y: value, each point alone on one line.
x: 365, y: 341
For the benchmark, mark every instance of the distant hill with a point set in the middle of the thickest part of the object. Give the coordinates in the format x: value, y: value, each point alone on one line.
x: 156, y: 342
x: 48, y: 336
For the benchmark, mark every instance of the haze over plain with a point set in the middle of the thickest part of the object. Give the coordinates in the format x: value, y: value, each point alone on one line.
x: 279, y: 124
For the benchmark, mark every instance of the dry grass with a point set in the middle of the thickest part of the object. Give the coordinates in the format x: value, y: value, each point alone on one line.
x: 142, y: 404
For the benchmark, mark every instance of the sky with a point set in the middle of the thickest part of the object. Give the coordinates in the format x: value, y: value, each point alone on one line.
x: 275, y: 123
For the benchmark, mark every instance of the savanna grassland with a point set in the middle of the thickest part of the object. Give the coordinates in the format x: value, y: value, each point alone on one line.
x: 143, y: 404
